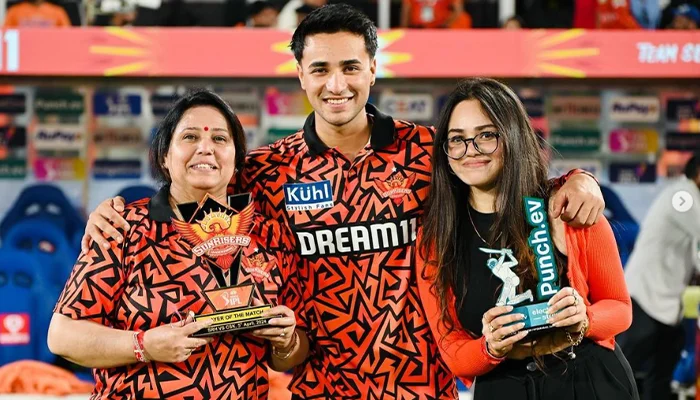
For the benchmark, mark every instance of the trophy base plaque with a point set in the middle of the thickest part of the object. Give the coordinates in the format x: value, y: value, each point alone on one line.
x: 234, y: 311
x: 234, y: 320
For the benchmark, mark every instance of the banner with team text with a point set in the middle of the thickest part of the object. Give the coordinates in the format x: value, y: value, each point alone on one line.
x: 178, y: 52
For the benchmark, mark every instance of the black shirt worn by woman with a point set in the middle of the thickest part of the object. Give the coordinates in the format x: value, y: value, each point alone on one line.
x: 595, y: 372
x: 483, y: 287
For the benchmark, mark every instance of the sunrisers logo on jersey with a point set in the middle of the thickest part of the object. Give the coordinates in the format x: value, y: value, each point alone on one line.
x: 258, y: 266
x: 395, y: 186
x: 308, y: 196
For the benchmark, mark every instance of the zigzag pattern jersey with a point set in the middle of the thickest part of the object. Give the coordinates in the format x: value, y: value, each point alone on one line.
x: 141, y: 284
x: 355, y: 227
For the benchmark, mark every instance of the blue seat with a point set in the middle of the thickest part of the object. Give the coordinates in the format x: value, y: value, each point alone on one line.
x: 50, y: 248
x: 136, y: 192
x: 25, y: 309
x: 48, y: 202
x: 624, y: 226
x: 684, y: 373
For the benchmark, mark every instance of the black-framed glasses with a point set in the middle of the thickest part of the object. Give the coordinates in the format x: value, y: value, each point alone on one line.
x: 485, y: 143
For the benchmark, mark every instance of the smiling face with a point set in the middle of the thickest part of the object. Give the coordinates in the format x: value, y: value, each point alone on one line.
x: 468, y: 120
x: 337, y: 72
x: 201, y: 157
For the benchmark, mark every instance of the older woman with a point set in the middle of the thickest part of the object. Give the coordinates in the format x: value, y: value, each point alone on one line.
x: 127, y: 311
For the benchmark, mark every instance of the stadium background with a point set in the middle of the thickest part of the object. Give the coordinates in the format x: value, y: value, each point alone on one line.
x: 78, y: 106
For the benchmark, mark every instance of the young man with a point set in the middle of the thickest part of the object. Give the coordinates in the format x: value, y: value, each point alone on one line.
x: 351, y: 186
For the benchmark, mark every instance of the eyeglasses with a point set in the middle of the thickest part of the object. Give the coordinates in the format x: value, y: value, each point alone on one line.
x: 485, y: 143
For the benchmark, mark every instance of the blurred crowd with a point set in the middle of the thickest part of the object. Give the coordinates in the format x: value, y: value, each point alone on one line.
x: 285, y: 14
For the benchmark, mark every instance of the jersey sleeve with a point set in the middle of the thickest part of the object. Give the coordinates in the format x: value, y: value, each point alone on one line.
x: 99, y: 276
x: 95, y: 285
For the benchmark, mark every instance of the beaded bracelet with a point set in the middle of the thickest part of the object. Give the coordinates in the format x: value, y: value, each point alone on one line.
x: 138, y: 347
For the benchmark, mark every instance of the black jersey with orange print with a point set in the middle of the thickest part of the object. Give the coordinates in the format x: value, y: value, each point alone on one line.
x: 355, y: 225
x: 154, y: 275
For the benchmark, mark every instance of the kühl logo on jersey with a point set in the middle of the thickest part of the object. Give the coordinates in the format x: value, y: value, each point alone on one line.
x: 308, y: 196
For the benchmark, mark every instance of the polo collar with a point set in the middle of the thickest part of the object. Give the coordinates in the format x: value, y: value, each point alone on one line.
x: 382, y: 134
x: 159, y: 208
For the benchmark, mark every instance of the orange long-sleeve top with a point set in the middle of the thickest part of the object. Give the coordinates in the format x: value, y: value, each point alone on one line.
x: 594, y: 269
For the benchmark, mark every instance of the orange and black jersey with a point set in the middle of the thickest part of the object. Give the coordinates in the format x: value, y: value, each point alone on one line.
x: 355, y: 225
x: 144, y: 282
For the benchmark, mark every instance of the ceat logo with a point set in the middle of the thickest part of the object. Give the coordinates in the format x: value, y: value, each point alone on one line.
x: 14, y: 329
x: 408, y: 106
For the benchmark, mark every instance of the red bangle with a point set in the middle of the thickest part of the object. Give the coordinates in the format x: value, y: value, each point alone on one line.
x: 139, y: 350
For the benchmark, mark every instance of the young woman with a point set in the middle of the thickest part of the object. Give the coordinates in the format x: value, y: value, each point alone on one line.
x: 474, y: 263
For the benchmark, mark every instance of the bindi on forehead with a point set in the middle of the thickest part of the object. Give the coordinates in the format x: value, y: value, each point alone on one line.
x: 206, y: 128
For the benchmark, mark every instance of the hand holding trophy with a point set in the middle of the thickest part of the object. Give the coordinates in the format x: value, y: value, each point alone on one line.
x: 568, y: 311
x: 282, y: 333
x: 504, y: 324
x: 537, y: 316
x: 502, y: 330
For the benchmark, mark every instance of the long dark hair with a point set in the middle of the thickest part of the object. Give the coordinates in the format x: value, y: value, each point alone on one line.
x: 524, y: 173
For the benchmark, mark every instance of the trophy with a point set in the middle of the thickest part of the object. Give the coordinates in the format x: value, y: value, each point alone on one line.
x: 218, y: 232
x: 540, y: 241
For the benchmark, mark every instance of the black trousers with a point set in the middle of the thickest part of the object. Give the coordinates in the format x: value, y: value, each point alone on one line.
x: 649, y: 343
x: 596, y: 373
